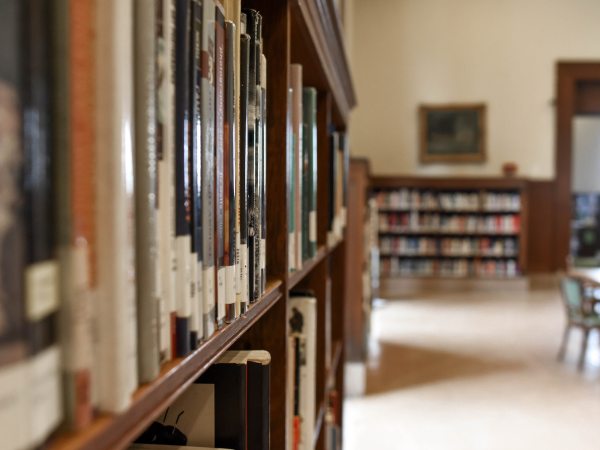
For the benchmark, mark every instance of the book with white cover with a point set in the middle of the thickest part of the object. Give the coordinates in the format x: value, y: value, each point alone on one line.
x: 145, y: 190
x: 165, y: 135
x: 302, y: 318
x: 116, y: 353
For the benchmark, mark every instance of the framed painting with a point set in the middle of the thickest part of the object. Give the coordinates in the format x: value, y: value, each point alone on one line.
x: 452, y: 133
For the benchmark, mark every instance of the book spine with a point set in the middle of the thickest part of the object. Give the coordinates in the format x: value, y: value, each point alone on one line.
x: 208, y: 165
x: 233, y: 14
x: 196, y: 169
x: 165, y: 134
x: 310, y: 145
x: 243, y: 169
x: 258, y: 386
x: 116, y: 358
x: 296, y: 79
x: 333, y: 145
x: 230, y: 166
x: 251, y: 19
x: 73, y: 131
x: 263, y: 233
x: 14, y: 369
x: 257, y: 210
x: 41, y: 271
x: 219, y: 153
x: 182, y: 179
x: 291, y: 181
x: 145, y: 190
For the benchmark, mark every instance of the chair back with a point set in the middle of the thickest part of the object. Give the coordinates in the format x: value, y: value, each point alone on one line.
x: 573, y: 296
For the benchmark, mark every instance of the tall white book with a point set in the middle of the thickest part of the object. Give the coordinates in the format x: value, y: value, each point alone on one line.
x: 115, y: 311
x: 302, y: 318
x: 166, y: 175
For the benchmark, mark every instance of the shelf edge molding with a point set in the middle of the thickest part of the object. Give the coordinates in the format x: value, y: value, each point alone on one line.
x: 118, y: 431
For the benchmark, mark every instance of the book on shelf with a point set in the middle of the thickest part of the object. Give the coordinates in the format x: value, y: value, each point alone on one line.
x: 309, y: 173
x: 170, y: 447
x: 302, y: 318
x: 338, y: 168
x: 129, y: 182
x: 227, y: 406
x: 165, y: 151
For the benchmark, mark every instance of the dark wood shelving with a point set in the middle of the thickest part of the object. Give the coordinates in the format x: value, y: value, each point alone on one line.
x: 118, y: 431
x: 295, y: 277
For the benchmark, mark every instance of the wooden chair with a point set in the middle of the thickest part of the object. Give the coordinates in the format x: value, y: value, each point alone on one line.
x: 580, y: 313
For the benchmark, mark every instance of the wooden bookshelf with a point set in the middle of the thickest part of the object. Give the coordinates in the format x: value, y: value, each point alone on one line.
x: 466, y: 212
x: 307, y: 32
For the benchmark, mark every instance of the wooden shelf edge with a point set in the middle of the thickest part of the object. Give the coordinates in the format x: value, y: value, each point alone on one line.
x: 118, y: 431
x: 326, y: 38
x: 295, y: 277
x: 448, y: 183
x: 385, y: 278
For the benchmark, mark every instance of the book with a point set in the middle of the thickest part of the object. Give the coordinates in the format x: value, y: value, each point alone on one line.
x: 165, y: 148
x: 220, y: 170
x: 241, y: 381
x: 252, y: 158
x: 195, y: 171
x: 40, y: 278
x: 243, y: 167
x: 183, y: 284
x: 208, y: 166
x: 233, y: 14
x: 263, y: 178
x: 302, y: 311
x: 170, y: 447
x: 230, y: 155
x: 115, y: 353
x: 73, y: 130
x: 297, y: 132
x: 309, y: 173
x: 291, y: 173
x: 145, y: 170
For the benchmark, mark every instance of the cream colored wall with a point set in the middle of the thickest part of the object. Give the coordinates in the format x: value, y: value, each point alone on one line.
x: 500, y: 52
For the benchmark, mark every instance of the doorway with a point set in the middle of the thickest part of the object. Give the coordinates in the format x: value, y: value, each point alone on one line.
x: 577, y: 102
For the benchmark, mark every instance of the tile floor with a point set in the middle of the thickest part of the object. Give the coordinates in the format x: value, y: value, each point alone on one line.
x: 475, y: 370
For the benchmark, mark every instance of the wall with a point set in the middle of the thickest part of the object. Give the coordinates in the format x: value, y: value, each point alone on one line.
x: 503, y: 53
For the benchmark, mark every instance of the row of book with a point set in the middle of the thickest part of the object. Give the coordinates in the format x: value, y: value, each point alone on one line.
x: 502, y: 268
x: 422, y: 246
x: 132, y: 196
x: 228, y: 406
x: 406, y: 198
x: 302, y: 170
x: 302, y: 174
x: 441, y: 223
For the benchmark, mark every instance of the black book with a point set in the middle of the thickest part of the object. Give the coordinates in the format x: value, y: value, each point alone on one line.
x: 182, y: 176
x: 331, y: 212
x: 243, y: 163
x: 253, y: 233
x: 241, y: 380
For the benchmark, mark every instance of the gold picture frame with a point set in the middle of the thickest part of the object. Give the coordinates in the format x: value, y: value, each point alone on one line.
x: 452, y: 133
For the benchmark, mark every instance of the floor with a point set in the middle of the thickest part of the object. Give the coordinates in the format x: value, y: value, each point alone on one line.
x: 475, y: 370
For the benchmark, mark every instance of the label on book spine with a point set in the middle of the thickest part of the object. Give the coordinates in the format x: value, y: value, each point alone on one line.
x: 312, y: 226
x: 41, y: 289
x: 221, y: 295
x: 208, y: 285
x: 183, y: 294
x: 244, y: 277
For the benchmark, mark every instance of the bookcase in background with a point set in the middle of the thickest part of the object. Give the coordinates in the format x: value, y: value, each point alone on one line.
x: 452, y: 227
x: 305, y: 32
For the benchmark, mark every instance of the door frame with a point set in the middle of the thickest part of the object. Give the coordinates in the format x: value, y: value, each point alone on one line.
x: 573, y: 97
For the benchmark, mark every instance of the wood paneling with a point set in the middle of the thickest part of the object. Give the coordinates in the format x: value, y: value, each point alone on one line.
x: 541, y: 224
x: 358, y: 186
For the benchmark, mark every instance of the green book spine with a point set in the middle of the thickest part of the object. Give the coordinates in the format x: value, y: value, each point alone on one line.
x: 309, y: 207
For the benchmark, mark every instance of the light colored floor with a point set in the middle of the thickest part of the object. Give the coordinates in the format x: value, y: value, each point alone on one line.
x: 478, y: 371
